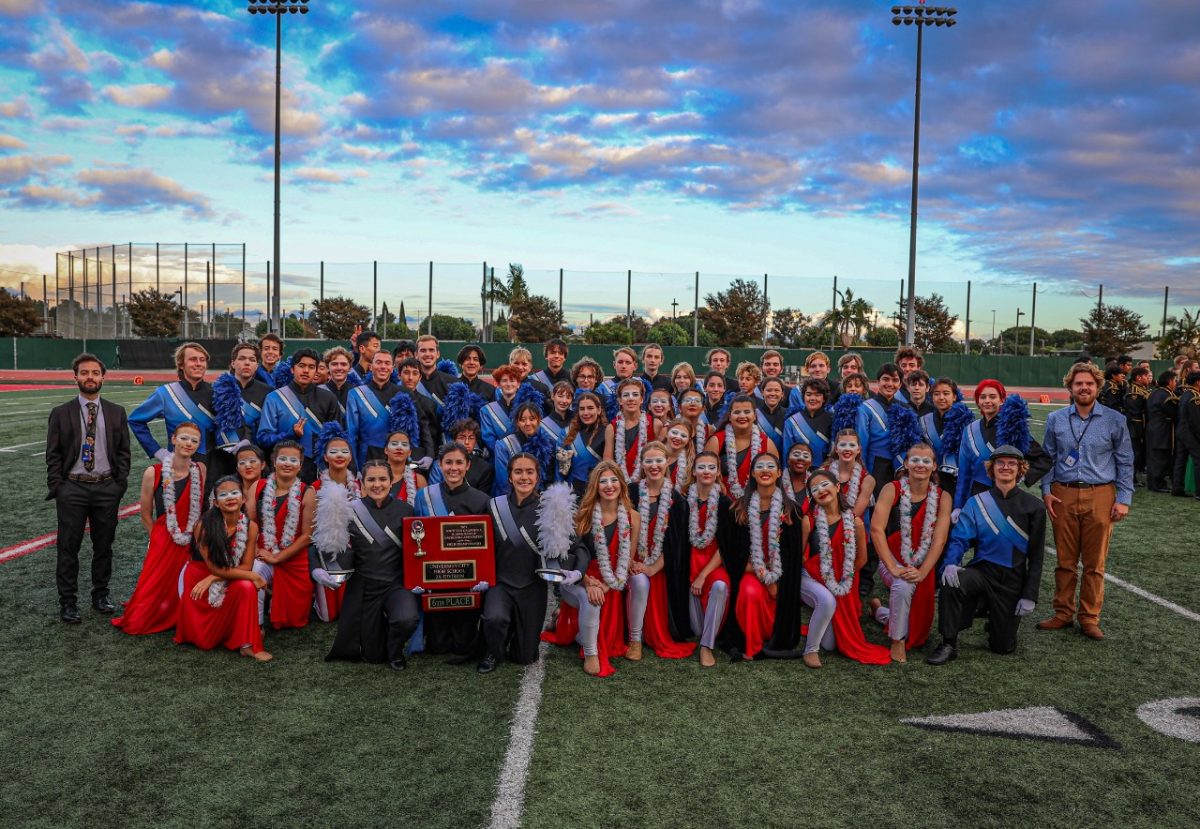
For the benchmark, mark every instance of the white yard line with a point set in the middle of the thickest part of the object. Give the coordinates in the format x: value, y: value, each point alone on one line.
x: 1158, y: 600
x: 509, y: 804
x: 17, y: 446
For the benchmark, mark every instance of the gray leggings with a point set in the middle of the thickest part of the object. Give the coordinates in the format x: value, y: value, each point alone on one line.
x: 267, y: 571
x: 818, y: 597
x: 895, y: 615
x: 707, y: 621
x: 589, y: 616
x: 637, y: 596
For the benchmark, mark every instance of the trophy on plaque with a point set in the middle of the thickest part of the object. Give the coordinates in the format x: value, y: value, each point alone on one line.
x: 556, y: 523
x: 417, y: 533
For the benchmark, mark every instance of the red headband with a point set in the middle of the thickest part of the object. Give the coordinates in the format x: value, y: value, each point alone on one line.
x: 991, y: 384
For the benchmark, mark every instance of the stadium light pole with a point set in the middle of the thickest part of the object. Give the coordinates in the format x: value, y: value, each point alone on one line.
x: 278, y: 8
x: 919, y: 16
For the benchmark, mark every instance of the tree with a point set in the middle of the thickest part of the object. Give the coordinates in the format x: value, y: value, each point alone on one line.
x: 446, y: 327
x: 338, y: 316
x: 883, y: 336
x: 154, y: 314
x: 738, y: 315
x: 534, y: 319
x: 788, y: 327
x: 849, y: 320
x: 227, y: 325
x: 707, y: 338
x: 608, y: 332
x: 18, y: 315
x: 667, y: 332
x: 297, y: 329
x: 1015, y: 340
x: 934, y: 324
x: 1110, y: 330
x: 641, y: 326
x: 1182, y: 337
x: 1067, y: 338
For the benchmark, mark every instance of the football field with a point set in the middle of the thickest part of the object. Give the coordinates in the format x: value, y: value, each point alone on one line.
x: 103, y: 729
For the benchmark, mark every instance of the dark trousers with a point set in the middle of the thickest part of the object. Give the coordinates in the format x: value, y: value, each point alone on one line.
x: 884, y: 472
x: 1182, y: 453
x: 452, y: 631
x: 402, y: 609
x: 1158, y: 469
x: 308, y: 471
x: 996, y: 588
x: 1137, y: 437
x: 512, y: 621
x: 96, y: 504
x: 220, y: 464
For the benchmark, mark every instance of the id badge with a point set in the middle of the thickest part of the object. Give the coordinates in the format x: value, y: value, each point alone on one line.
x: 1071, y: 459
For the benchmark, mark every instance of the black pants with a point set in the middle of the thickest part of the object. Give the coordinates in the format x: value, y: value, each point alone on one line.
x: 453, y: 631
x: 884, y: 472
x: 1137, y: 438
x: 995, y: 587
x: 308, y: 471
x: 78, y: 503
x: 512, y: 621
x: 220, y: 464
x: 377, y: 620
x: 1182, y: 453
x: 1158, y: 469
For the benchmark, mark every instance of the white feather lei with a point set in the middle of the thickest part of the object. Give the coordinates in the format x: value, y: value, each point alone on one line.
x: 619, y: 446
x: 650, y: 549
x: 679, y: 482
x: 555, y: 519
x: 216, y: 590
x: 855, y: 482
x: 772, y: 562
x: 849, y: 552
x: 910, y: 558
x: 267, y: 531
x: 735, y: 487
x: 615, y: 580
x: 181, y: 535
x: 331, y: 527
x: 410, y: 485
x: 702, y: 538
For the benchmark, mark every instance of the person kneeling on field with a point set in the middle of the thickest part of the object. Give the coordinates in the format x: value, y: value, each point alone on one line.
x: 378, y: 613
x: 1007, y: 528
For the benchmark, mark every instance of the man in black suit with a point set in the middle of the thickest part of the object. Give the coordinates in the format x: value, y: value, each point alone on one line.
x: 1162, y: 410
x: 87, y: 470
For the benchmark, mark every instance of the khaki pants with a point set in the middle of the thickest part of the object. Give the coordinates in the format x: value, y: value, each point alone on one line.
x: 1081, y: 533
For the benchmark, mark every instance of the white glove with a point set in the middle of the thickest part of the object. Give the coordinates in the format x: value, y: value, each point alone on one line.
x: 1025, y: 607
x: 162, y: 454
x: 417, y: 591
x: 481, y: 587
x: 322, y: 577
x: 954, y: 516
x: 950, y: 575
x: 571, y: 576
x: 425, y: 463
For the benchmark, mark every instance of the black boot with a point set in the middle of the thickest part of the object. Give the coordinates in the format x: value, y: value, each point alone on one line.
x: 398, y: 664
x: 487, y: 664
x: 943, y: 653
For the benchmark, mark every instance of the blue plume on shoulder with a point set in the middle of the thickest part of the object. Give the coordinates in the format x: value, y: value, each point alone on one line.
x: 845, y: 412
x: 282, y: 375
x: 460, y: 403
x: 611, y: 405
x: 227, y: 402
x: 647, y: 390
x: 954, y: 425
x: 958, y: 395
x: 724, y: 412
x: 528, y: 394
x: 542, y: 447
x: 448, y: 366
x: 402, y: 416
x: 1012, y: 423
x: 903, y: 428
x: 330, y: 431
x: 353, y: 380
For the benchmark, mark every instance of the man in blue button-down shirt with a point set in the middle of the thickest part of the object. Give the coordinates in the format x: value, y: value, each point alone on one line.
x: 1088, y: 491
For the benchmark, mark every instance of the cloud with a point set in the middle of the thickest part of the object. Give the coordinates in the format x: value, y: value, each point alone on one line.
x: 11, y: 142
x: 326, y: 175
x: 16, y: 110
x: 20, y: 8
x: 139, y: 95
x: 18, y: 169
x: 117, y: 188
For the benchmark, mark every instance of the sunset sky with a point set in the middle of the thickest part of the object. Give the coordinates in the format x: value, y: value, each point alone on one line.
x: 730, y: 137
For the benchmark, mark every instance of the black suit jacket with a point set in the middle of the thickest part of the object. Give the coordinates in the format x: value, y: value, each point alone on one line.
x: 64, y: 436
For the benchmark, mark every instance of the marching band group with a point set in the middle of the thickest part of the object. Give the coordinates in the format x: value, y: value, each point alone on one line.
x: 687, y: 512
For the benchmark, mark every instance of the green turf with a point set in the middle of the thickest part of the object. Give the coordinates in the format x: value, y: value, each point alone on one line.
x: 103, y: 729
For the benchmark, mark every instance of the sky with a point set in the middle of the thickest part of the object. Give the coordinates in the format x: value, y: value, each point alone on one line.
x: 726, y: 137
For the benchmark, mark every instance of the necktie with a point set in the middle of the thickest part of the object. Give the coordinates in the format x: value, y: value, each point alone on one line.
x: 89, y: 439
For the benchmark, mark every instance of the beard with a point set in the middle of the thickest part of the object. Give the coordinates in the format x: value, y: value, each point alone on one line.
x: 89, y: 386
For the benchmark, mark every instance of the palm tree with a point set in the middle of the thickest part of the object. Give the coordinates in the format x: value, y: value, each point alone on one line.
x: 850, y: 319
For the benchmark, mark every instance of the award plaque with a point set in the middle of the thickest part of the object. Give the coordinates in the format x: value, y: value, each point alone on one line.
x: 447, y: 556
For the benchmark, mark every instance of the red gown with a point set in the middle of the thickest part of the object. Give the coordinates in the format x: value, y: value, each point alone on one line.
x: 755, y: 609
x: 743, y: 469
x: 333, y: 597
x: 655, y: 630
x: 154, y: 605
x: 233, y: 624
x: 920, y: 616
x: 610, y: 642
x: 700, y: 557
x: 292, y: 584
x: 847, y: 628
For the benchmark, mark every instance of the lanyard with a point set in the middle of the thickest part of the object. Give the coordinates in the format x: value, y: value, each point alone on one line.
x: 1087, y: 424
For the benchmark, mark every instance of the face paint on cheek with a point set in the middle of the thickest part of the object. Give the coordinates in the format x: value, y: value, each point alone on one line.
x: 609, y: 481
x: 847, y: 446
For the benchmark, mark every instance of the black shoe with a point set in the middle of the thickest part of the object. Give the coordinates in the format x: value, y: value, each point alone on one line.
x: 400, y: 664
x: 942, y: 654
x: 70, y: 614
x: 1179, y: 494
x: 104, y: 605
x: 486, y: 665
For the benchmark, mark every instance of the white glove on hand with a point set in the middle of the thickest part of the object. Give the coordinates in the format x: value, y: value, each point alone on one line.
x: 571, y: 576
x: 1025, y: 607
x: 950, y: 575
x: 322, y: 577
x: 954, y: 516
x: 481, y: 587
x: 417, y: 591
x: 425, y: 464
